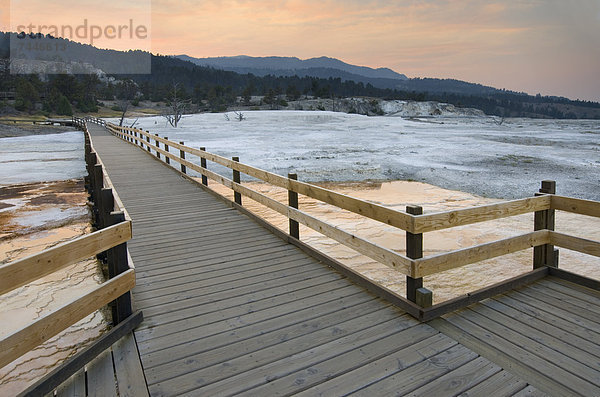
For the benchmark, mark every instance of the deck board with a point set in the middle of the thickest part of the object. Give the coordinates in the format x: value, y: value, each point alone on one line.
x: 231, y: 309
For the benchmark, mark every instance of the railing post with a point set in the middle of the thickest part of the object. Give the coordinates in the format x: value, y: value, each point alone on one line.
x: 182, y: 156
x: 157, y: 145
x: 167, y: 159
x: 414, y: 250
x: 148, y: 141
x: 203, y: 165
x: 237, y: 197
x: 118, y: 263
x: 98, y: 184
x: 293, y: 202
x: 545, y: 255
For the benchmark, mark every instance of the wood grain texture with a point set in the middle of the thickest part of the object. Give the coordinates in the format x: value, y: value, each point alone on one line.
x: 439, y: 263
x: 576, y: 206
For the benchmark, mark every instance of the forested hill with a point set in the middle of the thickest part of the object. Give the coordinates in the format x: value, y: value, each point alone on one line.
x: 216, y: 89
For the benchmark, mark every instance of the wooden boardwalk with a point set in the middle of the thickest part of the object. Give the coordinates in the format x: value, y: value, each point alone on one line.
x: 231, y: 309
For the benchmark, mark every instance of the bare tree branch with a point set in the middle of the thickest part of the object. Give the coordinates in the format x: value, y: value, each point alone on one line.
x: 176, y: 107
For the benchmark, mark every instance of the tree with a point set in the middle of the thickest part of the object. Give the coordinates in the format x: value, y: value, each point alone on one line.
x: 63, y: 106
x: 176, y: 106
x: 26, y: 95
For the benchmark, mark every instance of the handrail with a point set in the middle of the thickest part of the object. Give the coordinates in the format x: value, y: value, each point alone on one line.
x: 20, y: 342
x: 415, y: 267
x: 23, y: 271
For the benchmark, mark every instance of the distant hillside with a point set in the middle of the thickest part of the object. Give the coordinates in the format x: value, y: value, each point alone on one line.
x: 289, y: 66
x: 325, y: 68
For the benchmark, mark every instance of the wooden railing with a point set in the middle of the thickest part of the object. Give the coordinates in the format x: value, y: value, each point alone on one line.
x: 543, y: 238
x: 109, y: 242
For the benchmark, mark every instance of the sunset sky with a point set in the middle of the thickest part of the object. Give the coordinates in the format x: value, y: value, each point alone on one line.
x: 550, y: 47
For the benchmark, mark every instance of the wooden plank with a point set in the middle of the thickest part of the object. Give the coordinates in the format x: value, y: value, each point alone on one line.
x: 209, y: 269
x: 178, y: 261
x: 275, y: 323
x: 576, y: 206
x: 446, y: 261
x: 286, y: 358
x: 59, y: 375
x: 219, y: 300
x: 185, y: 244
x: 591, y: 318
x: 157, y: 282
x: 200, y: 291
x: 502, y: 383
x: 130, y: 376
x: 578, y: 244
x: 575, y: 286
x: 538, y: 372
x: 101, y: 376
x: 467, y: 216
x: 27, y: 338
x: 149, y: 340
x: 458, y: 380
x: 74, y: 386
x: 288, y: 339
x: 545, y: 344
x: 565, y: 319
x: 152, y: 328
x: 544, y: 323
x: 355, y: 369
x: 530, y: 391
x: 184, y: 286
x: 572, y: 290
x: 567, y: 301
x: 33, y: 267
x: 406, y: 376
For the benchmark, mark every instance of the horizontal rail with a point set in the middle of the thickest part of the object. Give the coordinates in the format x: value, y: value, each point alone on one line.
x: 467, y: 216
x: 31, y: 268
x: 450, y: 260
x: 27, y: 338
x: 577, y: 206
x: 578, y: 244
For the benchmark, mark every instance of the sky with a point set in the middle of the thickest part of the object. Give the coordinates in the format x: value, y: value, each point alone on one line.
x: 550, y: 47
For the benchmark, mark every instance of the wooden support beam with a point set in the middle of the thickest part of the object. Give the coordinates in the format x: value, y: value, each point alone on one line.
x: 182, y: 156
x: 544, y: 255
x: 167, y: 159
x: 293, y: 202
x: 236, y: 179
x: 414, y: 250
x: 158, y: 146
x: 118, y: 262
x: 203, y: 165
x: 424, y: 297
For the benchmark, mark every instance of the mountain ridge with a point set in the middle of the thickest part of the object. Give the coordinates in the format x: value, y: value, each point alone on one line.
x: 262, y: 65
